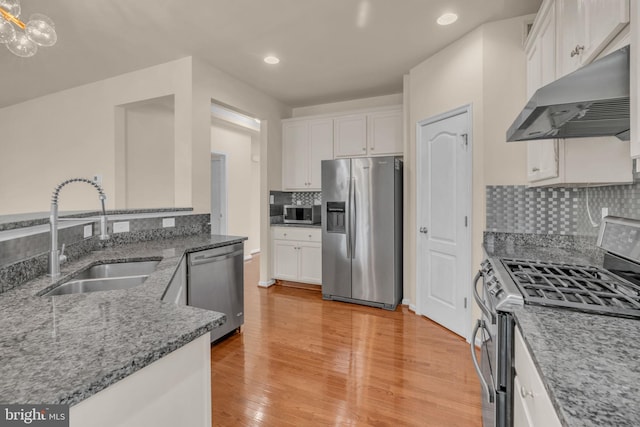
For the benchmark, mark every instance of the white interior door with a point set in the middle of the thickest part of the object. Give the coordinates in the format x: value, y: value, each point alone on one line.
x: 443, y: 219
x: 218, y: 194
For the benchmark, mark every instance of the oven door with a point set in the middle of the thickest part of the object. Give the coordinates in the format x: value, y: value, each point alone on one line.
x: 485, y: 333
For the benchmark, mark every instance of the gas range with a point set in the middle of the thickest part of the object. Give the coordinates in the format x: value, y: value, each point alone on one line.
x: 504, y: 285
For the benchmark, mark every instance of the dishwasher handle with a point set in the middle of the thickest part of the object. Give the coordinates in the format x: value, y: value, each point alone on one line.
x: 208, y: 258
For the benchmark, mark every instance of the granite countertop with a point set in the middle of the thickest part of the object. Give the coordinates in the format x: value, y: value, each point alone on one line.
x: 63, y: 349
x: 588, y: 362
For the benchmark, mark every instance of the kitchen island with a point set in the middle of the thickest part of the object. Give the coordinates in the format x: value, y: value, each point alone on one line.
x: 587, y: 362
x: 70, y: 348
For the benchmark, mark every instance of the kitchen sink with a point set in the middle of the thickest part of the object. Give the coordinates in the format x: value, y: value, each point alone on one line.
x: 118, y: 269
x: 107, y: 277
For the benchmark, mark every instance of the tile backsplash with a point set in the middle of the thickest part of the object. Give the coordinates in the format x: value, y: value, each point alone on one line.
x: 560, y: 210
x: 25, y: 257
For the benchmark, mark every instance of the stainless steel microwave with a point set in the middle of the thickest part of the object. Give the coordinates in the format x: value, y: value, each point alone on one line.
x: 302, y: 214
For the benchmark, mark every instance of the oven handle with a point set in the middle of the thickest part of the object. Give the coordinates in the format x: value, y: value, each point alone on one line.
x: 481, y: 303
x: 479, y: 325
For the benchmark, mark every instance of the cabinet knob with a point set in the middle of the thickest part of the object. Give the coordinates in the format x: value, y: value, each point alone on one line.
x: 535, y: 170
x: 525, y: 393
x: 577, y: 51
x: 364, y: 148
x: 373, y: 148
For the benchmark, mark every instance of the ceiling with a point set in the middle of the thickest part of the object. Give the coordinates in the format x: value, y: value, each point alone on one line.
x: 330, y: 50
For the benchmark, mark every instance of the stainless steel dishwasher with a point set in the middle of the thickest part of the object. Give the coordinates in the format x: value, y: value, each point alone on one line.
x: 216, y: 282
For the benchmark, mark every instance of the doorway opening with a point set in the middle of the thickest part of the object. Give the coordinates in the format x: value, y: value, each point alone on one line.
x: 218, y: 193
x: 235, y: 175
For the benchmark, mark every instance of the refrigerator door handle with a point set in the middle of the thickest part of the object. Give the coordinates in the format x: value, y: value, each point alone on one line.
x: 348, y: 223
x: 353, y: 217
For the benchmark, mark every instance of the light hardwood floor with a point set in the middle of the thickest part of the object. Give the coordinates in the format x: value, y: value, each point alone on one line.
x: 302, y: 361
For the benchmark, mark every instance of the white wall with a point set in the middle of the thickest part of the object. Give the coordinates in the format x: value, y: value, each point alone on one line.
x: 354, y: 104
x: 149, y: 154
x: 243, y: 181
x: 81, y: 132
x: 72, y: 133
x: 485, y: 68
x: 210, y: 84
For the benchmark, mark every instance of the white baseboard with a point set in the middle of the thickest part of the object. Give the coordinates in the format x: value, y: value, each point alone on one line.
x: 267, y: 283
x: 407, y: 301
x: 255, y: 251
x: 248, y: 257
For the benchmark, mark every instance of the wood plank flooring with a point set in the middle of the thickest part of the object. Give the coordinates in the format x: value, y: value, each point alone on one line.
x: 302, y: 361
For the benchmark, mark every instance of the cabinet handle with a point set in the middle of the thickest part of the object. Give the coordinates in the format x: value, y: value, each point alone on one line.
x: 373, y: 148
x: 577, y: 51
x: 525, y: 393
x: 364, y: 148
x: 535, y: 170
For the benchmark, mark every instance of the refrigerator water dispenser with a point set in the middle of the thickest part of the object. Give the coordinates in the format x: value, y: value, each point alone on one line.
x: 336, y: 217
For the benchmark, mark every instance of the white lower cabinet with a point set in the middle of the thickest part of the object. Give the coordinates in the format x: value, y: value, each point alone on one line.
x: 297, y: 254
x: 172, y: 391
x: 532, y: 406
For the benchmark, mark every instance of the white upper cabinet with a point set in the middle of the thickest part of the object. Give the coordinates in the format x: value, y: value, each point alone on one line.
x: 561, y: 25
x: 320, y: 148
x: 305, y: 143
x: 585, y: 28
x: 369, y: 134
x: 384, y: 132
x: 635, y: 86
x: 542, y: 156
x: 350, y: 135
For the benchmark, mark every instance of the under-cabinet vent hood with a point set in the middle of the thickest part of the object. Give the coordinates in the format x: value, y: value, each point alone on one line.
x: 592, y: 101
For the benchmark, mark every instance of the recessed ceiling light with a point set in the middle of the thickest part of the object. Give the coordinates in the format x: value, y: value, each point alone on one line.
x: 271, y: 60
x: 447, y: 18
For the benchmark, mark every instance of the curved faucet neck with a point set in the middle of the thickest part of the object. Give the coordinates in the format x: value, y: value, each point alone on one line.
x: 55, y: 256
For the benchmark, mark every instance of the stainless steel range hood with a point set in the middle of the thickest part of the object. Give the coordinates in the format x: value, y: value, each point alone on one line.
x: 592, y: 101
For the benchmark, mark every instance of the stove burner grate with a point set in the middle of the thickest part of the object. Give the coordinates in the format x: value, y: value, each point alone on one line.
x: 579, y: 287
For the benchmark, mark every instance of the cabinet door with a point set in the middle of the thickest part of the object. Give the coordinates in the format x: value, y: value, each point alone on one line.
x: 320, y: 148
x: 295, y: 155
x: 350, y: 136
x: 521, y: 417
x: 602, y: 21
x: 570, y: 35
x: 310, y: 262
x: 535, y: 400
x: 384, y: 133
x: 285, y: 260
x: 542, y: 159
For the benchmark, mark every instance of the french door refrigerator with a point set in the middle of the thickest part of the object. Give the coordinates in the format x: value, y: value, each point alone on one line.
x: 362, y: 231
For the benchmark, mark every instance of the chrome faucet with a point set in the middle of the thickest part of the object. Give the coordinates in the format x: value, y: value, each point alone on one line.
x: 57, y: 256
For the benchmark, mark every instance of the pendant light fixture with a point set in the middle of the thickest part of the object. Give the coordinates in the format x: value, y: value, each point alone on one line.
x: 23, y: 39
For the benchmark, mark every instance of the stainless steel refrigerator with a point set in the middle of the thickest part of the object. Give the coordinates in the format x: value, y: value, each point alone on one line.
x: 362, y: 231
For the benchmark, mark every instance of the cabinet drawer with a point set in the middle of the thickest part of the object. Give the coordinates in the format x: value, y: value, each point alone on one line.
x: 535, y: 399
x: 297, y: 233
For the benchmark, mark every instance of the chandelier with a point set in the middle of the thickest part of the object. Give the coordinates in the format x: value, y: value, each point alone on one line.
x: 23, y: 39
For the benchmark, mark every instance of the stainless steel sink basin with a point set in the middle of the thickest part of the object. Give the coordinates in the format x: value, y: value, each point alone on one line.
x: 118, y: 269
x: 107, y: 277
